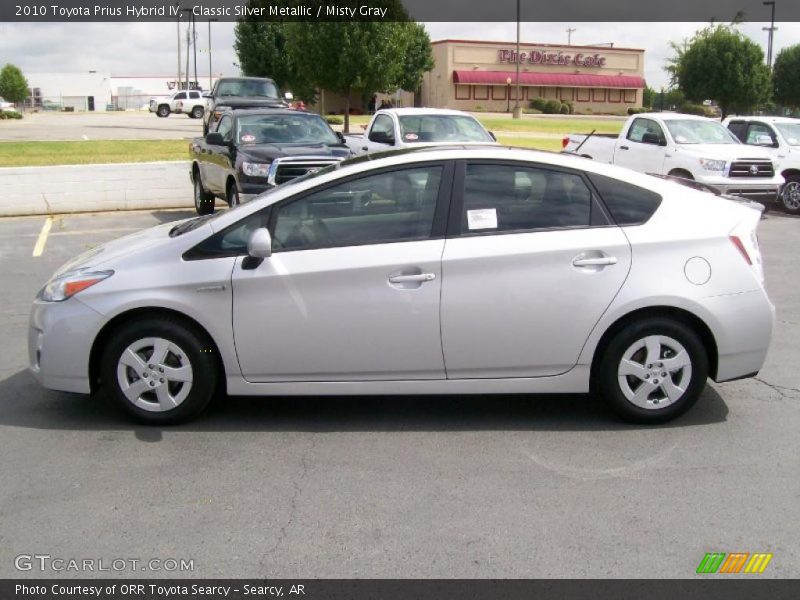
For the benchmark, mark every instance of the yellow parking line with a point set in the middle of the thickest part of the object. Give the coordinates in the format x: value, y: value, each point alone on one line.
x: 42, y: 239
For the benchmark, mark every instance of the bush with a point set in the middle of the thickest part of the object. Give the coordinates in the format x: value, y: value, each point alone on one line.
x: 10, y: 115
x: 632, y: 110
x: 538, y: 104
x: 570, y: 106
x: 693, y: 109
x: 552, y: 107
x: 531, y: 111
x: 564, y: 110
x: 334, y: 120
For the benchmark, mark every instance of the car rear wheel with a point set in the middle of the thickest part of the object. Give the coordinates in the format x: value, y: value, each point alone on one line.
x: 790, y: 195
x: 197, y: 112
x: 233, y: 195
x: 653, y: 370
x: 159, y: 371
x: 203, y: 201
x: 163, y: 111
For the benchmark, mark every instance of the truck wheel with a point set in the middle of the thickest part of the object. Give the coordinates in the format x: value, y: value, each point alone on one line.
x: 163, y: 111
x: 790, y: 195
x: 197, y: 112
x: 681, y: 173
x: 203, y: 201
x: 233, y: 195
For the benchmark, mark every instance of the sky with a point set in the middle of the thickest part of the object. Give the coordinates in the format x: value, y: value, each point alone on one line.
x: 126, y: 49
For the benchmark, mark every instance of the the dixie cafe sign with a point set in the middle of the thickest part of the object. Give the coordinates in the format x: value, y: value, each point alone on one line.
x: 540, y: 57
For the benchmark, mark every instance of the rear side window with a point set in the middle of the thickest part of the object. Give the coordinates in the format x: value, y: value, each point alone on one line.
x: 628, y: 204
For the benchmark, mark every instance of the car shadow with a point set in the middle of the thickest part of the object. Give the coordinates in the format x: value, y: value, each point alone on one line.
x: 24, y: 403
x: 167, y: 216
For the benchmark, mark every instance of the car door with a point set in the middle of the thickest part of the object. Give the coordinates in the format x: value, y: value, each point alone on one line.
x: 219, y: 158
x: 351, y: 291
x: 530, y: 264
x: 644, y: 148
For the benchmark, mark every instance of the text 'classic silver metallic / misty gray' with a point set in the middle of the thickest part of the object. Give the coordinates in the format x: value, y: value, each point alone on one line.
x: 441, y: 270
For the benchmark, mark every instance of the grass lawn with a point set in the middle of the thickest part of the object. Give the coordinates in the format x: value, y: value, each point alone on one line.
x: 32, y: 154
x: 531, y: 124
x: 551, y: 144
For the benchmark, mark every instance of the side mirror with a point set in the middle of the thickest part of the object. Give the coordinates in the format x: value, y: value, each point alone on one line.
x: 340, y: 135
x: 215, y: 139
x: 260, y: 243
x: 288, y: 96
x: 381, y: 137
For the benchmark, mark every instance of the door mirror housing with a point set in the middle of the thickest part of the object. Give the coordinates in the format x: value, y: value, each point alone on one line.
x: 381, y: 137
x: 340, y: 135
x: 654, y: 139
x: 215, y: 139
x: 260, y: 244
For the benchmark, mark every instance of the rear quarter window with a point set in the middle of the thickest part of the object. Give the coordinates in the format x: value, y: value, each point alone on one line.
x: 628, y: 204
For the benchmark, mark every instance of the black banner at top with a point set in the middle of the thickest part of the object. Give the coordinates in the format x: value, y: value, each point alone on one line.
x: 722, y: 11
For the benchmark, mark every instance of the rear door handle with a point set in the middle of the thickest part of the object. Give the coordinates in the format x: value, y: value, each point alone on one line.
x: 623, y: 147
x: 600, y: 261
x: 420, y: 277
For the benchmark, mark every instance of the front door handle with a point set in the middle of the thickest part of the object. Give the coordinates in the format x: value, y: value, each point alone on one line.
x: 418, y: 278
x: 623, y: 147
x: 600, y: 261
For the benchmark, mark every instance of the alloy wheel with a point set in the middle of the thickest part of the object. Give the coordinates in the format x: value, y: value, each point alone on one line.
x: 654, y: 372
x: 154, y: 374
x: 791, y: 196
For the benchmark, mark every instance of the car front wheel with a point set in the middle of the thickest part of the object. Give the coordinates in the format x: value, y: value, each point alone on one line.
x: 159, y: 371
x: 197, y: 112
x: 203, y: 201
x: 163, y: 111
x: 653, y: 370
x: 233, y: 195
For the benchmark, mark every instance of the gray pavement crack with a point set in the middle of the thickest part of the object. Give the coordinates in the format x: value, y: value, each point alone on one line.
x: 781, y: 389
x: 298, y: 489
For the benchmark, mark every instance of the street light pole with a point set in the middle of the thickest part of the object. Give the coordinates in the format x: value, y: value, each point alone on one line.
x: 210, y: 76
x: 508, y: 94
x: 771, y: 29
x: 517, y: 109
x: 570, y: 31
x: 178, y: 28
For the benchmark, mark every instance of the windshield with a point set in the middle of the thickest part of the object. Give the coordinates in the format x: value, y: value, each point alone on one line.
x: 442, y: 128
x: 298, y: 128
x: 248, y: 88
x: 690, y: 131
x: 790, y: 132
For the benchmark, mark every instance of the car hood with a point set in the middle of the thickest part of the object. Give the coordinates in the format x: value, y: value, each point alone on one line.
x: 106, y: 254
x: 724, y: 151
x: 268, y: 152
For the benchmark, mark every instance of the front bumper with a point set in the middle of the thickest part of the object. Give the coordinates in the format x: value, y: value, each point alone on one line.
x: 760, y: 193
x: 60, y: 337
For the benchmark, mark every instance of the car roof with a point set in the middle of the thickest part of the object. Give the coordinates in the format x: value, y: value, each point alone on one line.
x: 424, y: 111
x: 238, y: 112
x: 765, y: 118
x: 670, y: 116
x: 245, y: 79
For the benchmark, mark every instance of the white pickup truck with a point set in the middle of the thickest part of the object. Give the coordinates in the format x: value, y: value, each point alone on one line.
x: 395, y: 128
x: 780, y: 136
x: 191, y: 103
x: 685, y: 146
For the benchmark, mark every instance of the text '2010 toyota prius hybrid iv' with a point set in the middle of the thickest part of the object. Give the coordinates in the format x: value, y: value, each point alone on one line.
x: 457, y: 270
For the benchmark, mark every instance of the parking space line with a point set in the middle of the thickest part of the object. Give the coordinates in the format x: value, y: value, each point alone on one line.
x: 38, y: 249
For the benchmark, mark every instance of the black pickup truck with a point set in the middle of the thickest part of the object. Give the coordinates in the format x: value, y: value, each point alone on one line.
x: 251, y: 150
x: 241, y: 92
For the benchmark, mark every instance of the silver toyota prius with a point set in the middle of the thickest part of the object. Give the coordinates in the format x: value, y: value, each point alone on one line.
x: 435, y: 271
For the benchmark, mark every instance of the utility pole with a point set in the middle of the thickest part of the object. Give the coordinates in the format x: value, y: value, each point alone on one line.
x: 178, y: 29
x: 210, y: 76
x: 194, y: 46
x: 771, y: 29
x: 517, y: 108
x: 570, y: 31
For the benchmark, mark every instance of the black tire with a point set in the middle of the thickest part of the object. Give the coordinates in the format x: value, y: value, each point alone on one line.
x: 203, y: 200
x: 682, y: 174
x: 790, y: 195
x: 163, y: 111
x: 233, y: 195
x: 197, y: 112
x: 659, y: 406
x: 187, y: 345
x: 205, y: 129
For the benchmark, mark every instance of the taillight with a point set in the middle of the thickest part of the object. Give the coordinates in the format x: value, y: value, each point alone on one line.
x: 740, y: 247
x: 564, y: 141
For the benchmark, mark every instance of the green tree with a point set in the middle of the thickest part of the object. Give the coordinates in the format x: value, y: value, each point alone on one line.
x: 786, y: 77
x: 720, y: 63
x: 648, y: 96
x: 418, y: 57
x: 13, y: 85
x: 261, y: 48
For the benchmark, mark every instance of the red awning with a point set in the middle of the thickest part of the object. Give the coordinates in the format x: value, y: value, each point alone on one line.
x: 552, y: 79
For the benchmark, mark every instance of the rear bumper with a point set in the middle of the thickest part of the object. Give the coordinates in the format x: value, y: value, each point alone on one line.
x: 742, y: 331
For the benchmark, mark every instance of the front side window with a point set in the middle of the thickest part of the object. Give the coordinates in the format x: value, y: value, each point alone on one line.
x: 696, y: 131
x: 180, y: 96
x: 388, y: 207
x: 382, y: 130
x: 509, y: 198
x: 225, y: 127
x: 760, y: 135
x: 646, y: 131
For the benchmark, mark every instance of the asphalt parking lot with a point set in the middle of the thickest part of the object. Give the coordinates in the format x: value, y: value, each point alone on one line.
x: 127, y: 125
x: 491, y: 486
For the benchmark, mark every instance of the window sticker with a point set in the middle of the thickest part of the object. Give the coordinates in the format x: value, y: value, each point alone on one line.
x: 484, y: 218
x: 248, y: 138
x: 412, y: 137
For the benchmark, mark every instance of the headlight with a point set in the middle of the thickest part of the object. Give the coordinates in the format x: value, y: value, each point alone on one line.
x: 255, y: 169
x: 69, y: 284
x: 711, y: 164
